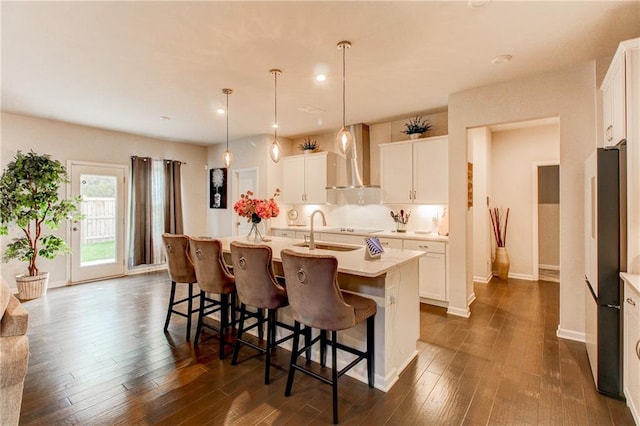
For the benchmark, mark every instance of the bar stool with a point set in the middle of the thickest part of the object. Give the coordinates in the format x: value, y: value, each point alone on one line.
x: 213, y: 278
x: 316, y: 301
x: 180, y: 271
x: 258, y: 287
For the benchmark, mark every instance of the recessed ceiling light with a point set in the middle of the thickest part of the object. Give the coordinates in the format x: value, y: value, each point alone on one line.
x: 501, y: 59
x: 165, y: 118
x: 321, y: 77
x: 477, y: 3
x: 220, y: 111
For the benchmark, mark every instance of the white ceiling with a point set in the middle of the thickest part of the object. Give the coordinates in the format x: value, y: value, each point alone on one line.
x: 122, y: 65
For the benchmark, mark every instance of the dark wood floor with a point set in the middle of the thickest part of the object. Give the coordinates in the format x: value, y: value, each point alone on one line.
x: 99, y: 356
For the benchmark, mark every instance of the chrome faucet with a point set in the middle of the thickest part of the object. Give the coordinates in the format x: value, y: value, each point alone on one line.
x: 312, y: 241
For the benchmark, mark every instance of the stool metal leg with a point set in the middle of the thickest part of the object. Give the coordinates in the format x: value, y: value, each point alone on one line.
x: 171, y: 299
x: 200, y: 315
x: 323, y: 348
x: 294, y: 356
x: 370, y: 350
x: 269, y: 344
x: 224, y: 321
x: 189, y: 311
x: 334, y: 374
x: 236, y: 349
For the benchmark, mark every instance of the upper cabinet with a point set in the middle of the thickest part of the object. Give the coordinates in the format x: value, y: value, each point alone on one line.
x: 415, y: 171
x: 617, y: 94
x: 306, y: 177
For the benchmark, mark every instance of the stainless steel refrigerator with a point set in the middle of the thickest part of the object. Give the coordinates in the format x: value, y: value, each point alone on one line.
x: 605, y: 257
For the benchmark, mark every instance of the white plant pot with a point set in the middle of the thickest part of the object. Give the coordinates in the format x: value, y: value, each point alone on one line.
x: 414, y: 136
x: 32, y: 287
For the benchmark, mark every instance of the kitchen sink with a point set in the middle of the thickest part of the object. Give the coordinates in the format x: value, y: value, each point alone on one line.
x: 327, y: 246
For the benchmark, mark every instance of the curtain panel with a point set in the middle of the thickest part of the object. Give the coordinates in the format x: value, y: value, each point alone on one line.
x: 156, y: 207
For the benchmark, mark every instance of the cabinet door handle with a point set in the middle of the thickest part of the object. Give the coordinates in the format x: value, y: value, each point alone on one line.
x: 638, y: 348
x: 610, y: 133
x: 631, y: 301
x: 414, y: 195
x: 423, y: 247
x: 410, y: 195
x: 384, y: 243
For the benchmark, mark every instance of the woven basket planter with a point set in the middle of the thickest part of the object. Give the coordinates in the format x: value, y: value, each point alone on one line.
x: 32, y: 287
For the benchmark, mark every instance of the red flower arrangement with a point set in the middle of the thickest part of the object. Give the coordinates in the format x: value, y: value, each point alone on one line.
x: 255, y: 209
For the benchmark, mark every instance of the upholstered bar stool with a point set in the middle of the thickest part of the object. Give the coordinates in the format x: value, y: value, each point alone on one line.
x: 180, y: 271
x: 258, y: 287
x: 316, y: 301
x: 213, y: 278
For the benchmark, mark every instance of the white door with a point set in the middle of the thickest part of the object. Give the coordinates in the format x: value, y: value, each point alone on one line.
x: 97, y: 242
x: 245, y: 180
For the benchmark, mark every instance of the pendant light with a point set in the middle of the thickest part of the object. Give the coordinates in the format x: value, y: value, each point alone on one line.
x: 275, y: 151
x: 344, y: 139
x: 227, y: 155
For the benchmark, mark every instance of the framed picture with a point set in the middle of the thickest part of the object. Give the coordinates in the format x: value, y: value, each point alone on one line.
x: 218, y: 188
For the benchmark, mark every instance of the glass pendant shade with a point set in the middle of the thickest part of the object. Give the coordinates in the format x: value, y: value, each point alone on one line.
x: 227, y: 158
x: 275, y: 151
x: 344, y: 140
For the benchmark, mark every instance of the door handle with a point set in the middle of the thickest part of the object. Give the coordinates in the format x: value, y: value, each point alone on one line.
x: 631, y: 301
x: 610, y: 133
x: 638, y: 348
x: 75, y: 228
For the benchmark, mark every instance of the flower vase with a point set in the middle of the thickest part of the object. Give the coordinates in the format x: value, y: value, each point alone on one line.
x: 502, y: 263
x: 254, y: 233
x: 414, y: 136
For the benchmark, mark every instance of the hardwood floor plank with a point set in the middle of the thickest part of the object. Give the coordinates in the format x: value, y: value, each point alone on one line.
x: 503, y: 365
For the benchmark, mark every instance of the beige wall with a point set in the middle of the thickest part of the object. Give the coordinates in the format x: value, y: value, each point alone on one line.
x: 65, y: 141
x: 249, y: 153
x: 515, y: 154
x: 481, y: 146
x: 569, y: 94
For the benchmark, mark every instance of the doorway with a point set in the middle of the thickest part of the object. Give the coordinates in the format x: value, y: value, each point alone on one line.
x: 97, y: 241
x: 548, y: 221
x: 243, y: 180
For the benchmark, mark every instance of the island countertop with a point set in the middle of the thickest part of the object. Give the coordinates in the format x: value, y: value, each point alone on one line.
x: 349, y: 262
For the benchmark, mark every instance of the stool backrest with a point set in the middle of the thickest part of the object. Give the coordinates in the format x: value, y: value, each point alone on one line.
x: 255, y: 281
x: 313, y: 291
x: 180, y: 268
x: 211, y: 271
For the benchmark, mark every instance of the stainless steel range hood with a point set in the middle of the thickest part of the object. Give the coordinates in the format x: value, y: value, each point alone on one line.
x: 358, y: 163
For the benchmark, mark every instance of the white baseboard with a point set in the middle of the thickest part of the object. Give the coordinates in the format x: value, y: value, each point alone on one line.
x: 471, y: 298
x: 145, y: 269
x: 576, y: 336
x: 526, y: 277
x: 482, y: 280
x: 465, y: 313
x: 550, y: 267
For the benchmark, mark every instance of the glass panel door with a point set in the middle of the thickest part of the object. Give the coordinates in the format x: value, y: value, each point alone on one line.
x: 98, y: 240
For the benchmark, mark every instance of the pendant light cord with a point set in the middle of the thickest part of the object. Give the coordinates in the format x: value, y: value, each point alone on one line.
x: 344, y: 48
x: 227, y: 121
x: 275, y: 131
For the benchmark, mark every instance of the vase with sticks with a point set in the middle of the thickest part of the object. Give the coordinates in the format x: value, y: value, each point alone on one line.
x: 499, y: 222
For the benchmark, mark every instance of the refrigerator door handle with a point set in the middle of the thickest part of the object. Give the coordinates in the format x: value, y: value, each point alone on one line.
x: 613, y: 306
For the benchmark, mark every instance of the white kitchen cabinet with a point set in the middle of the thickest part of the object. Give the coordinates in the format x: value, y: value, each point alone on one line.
x: 617, y: 93
x: 415, y: 171
x: 343, y: 238
x: 305, y: 177
x: 631, y: 349
x: 283, y: 233
x: 432, y: 271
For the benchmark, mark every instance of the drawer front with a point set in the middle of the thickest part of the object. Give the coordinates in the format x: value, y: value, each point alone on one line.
x: 391, y: 242
x: 430, y: 246
x: 283, y: 233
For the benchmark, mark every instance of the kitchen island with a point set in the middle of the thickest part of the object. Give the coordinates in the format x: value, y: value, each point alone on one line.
x: 391, y: 281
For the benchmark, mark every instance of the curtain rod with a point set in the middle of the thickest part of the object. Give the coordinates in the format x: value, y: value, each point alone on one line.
x: 158, y: 159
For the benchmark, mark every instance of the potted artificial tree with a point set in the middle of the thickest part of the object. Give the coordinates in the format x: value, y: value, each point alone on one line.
x: 29, y: 199
x: 416, y: 127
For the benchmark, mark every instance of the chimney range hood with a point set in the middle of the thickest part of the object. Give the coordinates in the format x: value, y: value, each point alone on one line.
x: 358, y: 163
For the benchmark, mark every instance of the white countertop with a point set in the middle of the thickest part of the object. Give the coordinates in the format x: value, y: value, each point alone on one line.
x: 409, y: 235
x: 349, y: 262
x: 632, y: 279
